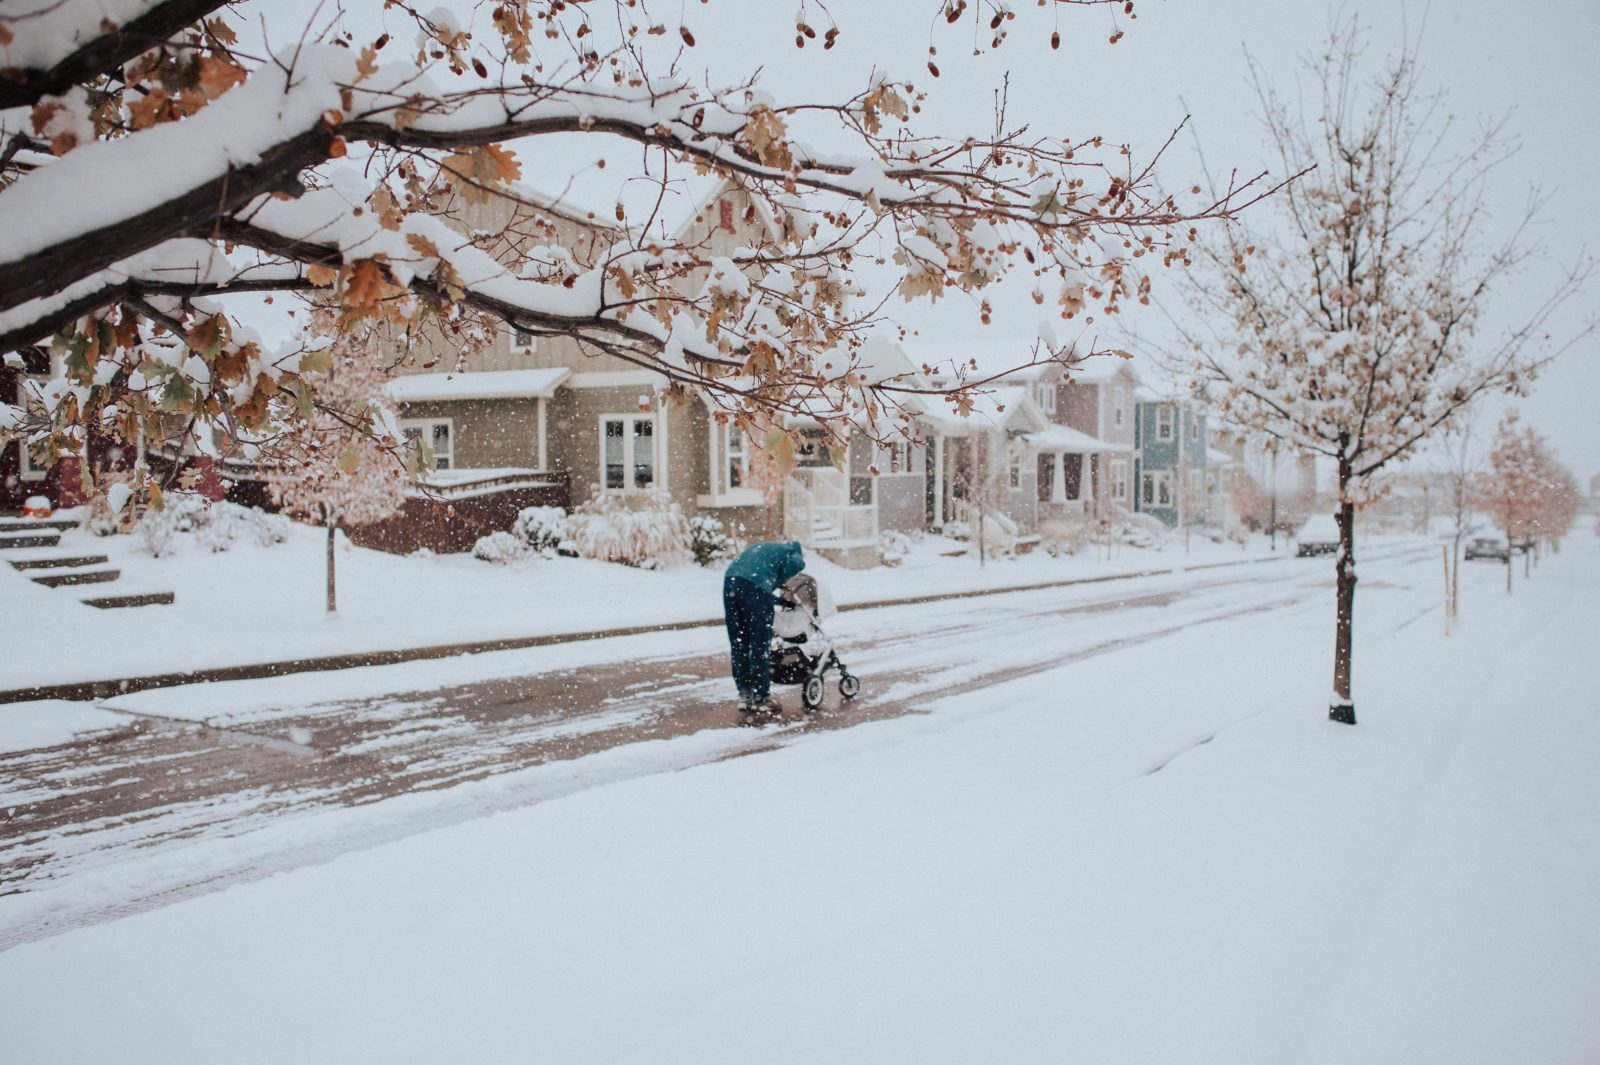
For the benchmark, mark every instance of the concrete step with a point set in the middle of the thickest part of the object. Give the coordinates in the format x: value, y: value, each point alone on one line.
x: 112, y: 602
x: 37, y: 540
x: 59, y: 563
x: 11, y: 525
x: 82, y: 576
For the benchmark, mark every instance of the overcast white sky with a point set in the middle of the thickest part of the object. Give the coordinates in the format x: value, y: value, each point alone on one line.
x: 1187, y: 56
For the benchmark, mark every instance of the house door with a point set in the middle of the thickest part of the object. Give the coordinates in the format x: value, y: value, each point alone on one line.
x: 628, y: 450
x: 1072, y: 476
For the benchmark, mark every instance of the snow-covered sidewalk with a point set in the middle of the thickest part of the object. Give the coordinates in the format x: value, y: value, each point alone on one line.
x: 1161, y: 853
x: 254, y: 604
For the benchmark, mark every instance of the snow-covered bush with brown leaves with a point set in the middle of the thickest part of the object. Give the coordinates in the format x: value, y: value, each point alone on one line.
x: 635, y: 526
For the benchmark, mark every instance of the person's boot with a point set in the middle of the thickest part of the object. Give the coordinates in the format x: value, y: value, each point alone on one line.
x: 766, y: 706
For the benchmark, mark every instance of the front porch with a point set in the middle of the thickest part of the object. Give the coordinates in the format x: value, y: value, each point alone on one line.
x: 817, y: 512
x: 1075, y: 472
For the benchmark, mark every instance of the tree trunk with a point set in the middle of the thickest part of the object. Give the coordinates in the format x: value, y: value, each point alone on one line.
x: 1455, y: 577
x: 333, y: 603
x: 1509, y: 542
x: 1341, y: 708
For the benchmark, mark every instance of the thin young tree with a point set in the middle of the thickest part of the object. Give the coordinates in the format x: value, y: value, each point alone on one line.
x: 1349, y: 328
x: 236, y: 149
x: 1510, y: 488
x: 1461, y: 470
x: 339, y: 467
x: 1556, y: 506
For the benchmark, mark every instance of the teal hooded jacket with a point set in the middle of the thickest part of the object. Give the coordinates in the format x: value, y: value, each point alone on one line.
x: 767, y: 565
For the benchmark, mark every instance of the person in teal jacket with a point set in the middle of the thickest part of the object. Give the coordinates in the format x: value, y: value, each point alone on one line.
x: 748, y: 605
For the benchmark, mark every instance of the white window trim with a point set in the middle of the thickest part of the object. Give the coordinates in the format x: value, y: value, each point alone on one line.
x: 658, y: 478
x: 1119, y: 401
x: 1118, y: 468
x: 425, y: 427
x: 1046, y: 394
x: 721, y: 495
x: 1164, y: 419
x: 26, y: 470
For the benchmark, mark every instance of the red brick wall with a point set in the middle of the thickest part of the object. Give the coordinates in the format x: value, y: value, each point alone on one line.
x: 448, y: 527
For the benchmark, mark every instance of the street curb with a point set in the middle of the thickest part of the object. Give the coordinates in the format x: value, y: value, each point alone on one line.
x: 89, y: 690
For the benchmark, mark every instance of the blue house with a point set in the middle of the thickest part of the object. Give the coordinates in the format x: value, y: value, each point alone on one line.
x: 1169, y: 459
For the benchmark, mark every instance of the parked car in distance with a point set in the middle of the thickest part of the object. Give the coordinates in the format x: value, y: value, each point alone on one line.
x: 1487, y: 547
x: 1318, y: 536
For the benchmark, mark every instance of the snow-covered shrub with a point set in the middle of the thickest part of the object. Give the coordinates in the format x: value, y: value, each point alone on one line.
x: 215, y: 526
x: 1063, y: 536
x: 635, y: 526
x: 269, y: 529
x: 502, y: 548
x: 1143, y: 530
x: 893, y: 547
x: 708, y: 541
x: 542, y: 529
x: 159, y: 532
x: 108, y: 513
x: 957, y: 530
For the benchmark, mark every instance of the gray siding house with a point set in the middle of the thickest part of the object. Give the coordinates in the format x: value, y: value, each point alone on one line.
x: 528, y: 410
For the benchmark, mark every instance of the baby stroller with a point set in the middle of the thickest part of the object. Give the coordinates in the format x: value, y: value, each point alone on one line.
x: 801, y: 652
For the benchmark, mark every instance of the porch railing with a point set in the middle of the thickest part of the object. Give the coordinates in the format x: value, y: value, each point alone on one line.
x: 817, y: 510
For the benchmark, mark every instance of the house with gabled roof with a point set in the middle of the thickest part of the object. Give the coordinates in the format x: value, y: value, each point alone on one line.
x: 1080, y: 457
x: 1172, y: 458
x: 526, y: 410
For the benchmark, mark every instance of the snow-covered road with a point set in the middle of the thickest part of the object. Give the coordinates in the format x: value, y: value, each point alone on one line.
x: 119, y: 823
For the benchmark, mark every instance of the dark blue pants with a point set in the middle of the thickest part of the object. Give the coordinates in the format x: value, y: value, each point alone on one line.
x: 748, y: 608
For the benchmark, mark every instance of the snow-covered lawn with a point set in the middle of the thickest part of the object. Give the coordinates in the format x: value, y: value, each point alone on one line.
x: 263, y: 604
x: 1162, y: 853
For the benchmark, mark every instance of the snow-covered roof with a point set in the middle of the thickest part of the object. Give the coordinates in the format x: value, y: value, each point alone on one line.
x: 1218, y: 458
x: 483, y: 384
x: 1102, y: 368
x: 993, y: 356
x: 1065, y: 438
x: 987, y: 412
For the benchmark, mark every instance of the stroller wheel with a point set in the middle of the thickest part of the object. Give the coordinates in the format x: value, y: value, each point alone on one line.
x: 849, y: 685
x: 811, y: 693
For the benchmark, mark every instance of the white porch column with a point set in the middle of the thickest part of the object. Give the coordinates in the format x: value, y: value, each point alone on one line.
x: 663, y: 463
x: 1058, y: 486
x: 544, y: 443
x: 938, y: 480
